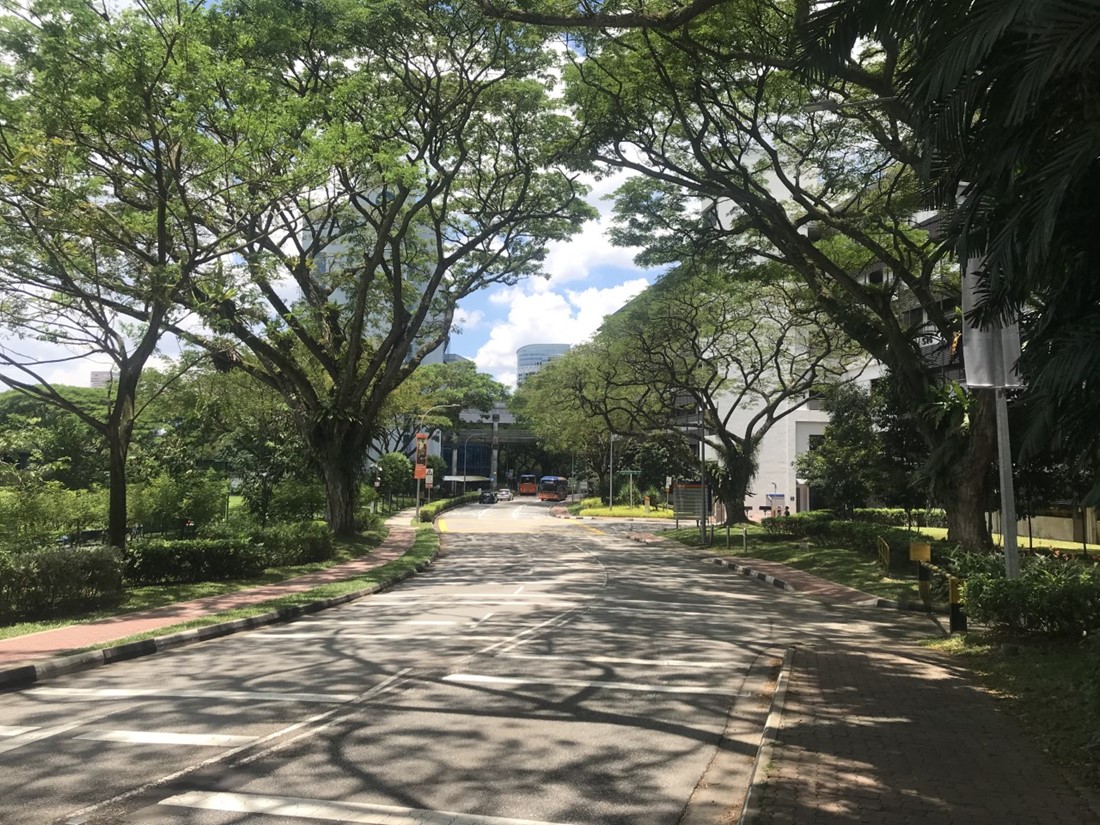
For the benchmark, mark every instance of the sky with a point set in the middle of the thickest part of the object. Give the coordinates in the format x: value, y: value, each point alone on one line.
x: 588, y: 278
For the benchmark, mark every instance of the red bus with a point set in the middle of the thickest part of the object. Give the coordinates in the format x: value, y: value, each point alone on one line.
x: 528, y: 485
x: 553, y: 488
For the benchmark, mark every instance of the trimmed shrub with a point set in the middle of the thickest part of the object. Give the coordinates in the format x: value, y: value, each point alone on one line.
x: 429, y: 512
x: 897, y: 517
x: 164, y: 561
x: 302, y: 543
x: 821, y: 527
x: 806, y: 525
x: 1052, y: 595
x: 47, y: 581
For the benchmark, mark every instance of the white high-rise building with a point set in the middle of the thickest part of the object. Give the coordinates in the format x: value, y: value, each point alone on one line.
x: 531, y: 358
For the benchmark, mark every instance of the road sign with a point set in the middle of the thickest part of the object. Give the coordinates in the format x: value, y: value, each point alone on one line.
x: 428, y: 478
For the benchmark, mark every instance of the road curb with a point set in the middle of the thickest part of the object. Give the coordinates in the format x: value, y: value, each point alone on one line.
x: 768, y: 741
x: 25, y: 675
x: 754, y: 574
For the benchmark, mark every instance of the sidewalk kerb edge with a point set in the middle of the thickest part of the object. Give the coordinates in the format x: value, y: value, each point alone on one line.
x: 768, y: 739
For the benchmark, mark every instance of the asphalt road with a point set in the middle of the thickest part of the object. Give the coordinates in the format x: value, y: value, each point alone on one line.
x: 540, y: 672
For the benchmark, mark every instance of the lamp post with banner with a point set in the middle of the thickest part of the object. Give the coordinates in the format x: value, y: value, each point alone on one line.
x: 420, y: 466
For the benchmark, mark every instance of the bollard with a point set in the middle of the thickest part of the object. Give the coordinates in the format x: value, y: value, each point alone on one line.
x: 924, y: 584
x: 958, y: 614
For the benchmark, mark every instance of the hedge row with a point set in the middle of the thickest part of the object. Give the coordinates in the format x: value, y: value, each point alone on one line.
x: 61, y: 579
x: 178, y: 561
x: 55, y: 580
x: 216, y: 558
x: 429, y: 512
x: 303, y: 543
x: 822, y: 527
x: 897, y: 517
x: 1055, y: 595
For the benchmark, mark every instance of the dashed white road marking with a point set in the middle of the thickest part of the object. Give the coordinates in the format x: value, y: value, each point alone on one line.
x: 14, y: 730
x: 37, y: 734
x: 476, y: 678
x: 360, y: 812
x: 616, y: 660
x: 281, y: 736
x: 484, y: 618
x: 342, y: 636
x: 151, y: 693
x: 153, y: 737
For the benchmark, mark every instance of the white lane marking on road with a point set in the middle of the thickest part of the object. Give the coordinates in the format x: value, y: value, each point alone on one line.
x: 518, y: 590
x: 151, y: 693
x: 14, y: 730
x: 512, y: 642
x: 341, y: 636
x: 383, y: 686
x: 429, y: 622
x: 161, y: 737
x: 37, y: 734
x: 476, y: 622
x: 476, y: 678
x: 616, y: 660
x: 360, y: 812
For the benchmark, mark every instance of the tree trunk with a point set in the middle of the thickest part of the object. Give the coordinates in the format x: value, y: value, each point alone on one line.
x: 119, y: 431
x: 117, y: 530
x: 339, y: 446
x: 735, y: 487
x: 341, y: 496
x: 965, y: 486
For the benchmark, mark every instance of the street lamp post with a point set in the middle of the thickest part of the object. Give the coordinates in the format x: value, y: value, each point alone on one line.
x: 419, y: 425
x: 465, y: 441
x: 611, y: 478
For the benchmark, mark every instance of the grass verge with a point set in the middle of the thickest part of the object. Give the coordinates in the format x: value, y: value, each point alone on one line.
x: 424, y: 547
x: 847, y: 567
x: 623, y: 511
x: 1051, y: 686
x: 146, y: 597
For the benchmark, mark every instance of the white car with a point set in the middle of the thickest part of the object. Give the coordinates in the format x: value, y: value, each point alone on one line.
x: 504, y: 495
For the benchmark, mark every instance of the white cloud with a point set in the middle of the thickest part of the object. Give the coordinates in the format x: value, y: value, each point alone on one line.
x: 591, y: 248
x: 538, y: 315
x: 467, y: 319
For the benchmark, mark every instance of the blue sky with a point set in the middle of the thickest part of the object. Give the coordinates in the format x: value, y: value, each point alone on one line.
x: 587, y: 279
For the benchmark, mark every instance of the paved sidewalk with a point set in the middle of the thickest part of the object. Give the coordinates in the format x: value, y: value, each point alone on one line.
x: 34, y: 647
x: 898, y: 735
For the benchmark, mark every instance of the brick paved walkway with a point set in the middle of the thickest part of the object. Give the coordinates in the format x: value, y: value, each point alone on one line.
x: 900, y: 737
x: 50, y: 643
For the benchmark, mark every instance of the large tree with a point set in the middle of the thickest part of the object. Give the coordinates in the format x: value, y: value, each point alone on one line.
x: 107, y: 163
x: 746, y: 353
x: 425, y: 162
x: 817, y: 175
